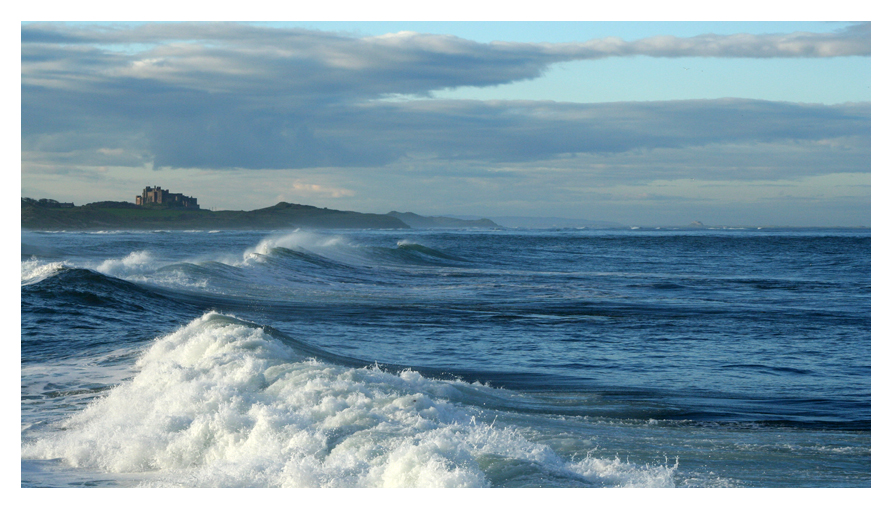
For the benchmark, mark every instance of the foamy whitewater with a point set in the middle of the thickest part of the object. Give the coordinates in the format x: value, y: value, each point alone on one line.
x: 446, y: 358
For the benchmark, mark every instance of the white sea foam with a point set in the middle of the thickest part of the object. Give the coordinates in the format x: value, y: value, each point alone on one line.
x: 35, y: 270
x: 221, y: 403
x: 70, y: 383
x: 136, y: 263
x: 625, y: 474
x: 297, y: 240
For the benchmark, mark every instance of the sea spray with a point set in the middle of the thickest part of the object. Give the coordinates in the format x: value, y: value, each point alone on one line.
x: 137, y: 262
x: 35, y: 270
x: 296, y: 240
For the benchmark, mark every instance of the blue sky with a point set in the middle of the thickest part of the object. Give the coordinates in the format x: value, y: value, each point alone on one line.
x: 764, y: 123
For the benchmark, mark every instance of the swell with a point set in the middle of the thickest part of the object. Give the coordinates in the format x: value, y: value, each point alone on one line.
x: 77, y: 312
x: 341, y: 252
x: 551, y: 394
x: 93, y: 311
x: 491, y: 378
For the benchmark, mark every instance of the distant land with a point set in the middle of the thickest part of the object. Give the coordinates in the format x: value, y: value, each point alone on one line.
x: 549, y: 222
x: 46, y: 214
x: 417, y: 221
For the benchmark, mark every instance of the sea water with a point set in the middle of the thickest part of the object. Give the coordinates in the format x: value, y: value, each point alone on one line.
x: 446, y: 358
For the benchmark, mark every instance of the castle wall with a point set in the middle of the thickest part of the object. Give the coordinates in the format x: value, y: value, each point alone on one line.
x: 165, y: 197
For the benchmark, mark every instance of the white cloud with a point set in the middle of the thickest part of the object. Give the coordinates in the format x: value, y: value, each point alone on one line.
x: 306, y: 189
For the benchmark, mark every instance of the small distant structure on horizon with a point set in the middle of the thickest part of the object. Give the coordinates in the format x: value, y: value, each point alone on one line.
x: 164, y: 197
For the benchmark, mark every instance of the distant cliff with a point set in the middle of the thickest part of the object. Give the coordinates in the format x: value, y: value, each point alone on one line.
x: 417, y: 221
x: 102, y: 215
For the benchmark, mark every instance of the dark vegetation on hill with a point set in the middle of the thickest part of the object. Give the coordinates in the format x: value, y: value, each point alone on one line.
x: 49, y: 215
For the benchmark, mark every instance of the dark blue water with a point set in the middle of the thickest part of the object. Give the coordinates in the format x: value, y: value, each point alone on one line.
x: 447, y: 358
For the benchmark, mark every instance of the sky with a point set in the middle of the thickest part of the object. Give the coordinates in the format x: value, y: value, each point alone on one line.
x: 640, y: 123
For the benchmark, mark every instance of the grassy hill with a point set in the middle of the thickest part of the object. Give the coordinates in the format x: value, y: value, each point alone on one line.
x: 49, y: 215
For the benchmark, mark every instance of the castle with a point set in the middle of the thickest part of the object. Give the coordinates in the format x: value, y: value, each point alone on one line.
x: 163, y: 196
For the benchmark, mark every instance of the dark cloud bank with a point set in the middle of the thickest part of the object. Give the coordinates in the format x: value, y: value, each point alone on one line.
x: 231, y: 95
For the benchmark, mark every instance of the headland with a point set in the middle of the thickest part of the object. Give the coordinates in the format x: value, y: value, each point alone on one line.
x: 46, y: 214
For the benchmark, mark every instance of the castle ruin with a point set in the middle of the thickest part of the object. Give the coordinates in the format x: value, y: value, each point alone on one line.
x: 164, y: 197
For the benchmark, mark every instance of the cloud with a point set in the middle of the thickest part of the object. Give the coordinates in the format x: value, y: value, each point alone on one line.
x: 314, y: 189
x: 224, y: 95
x: 501, y: 131
x: 852, y: 41
x: 228, y: 57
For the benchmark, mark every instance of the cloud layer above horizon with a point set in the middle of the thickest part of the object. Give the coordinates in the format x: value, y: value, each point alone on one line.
x: 229, y: 96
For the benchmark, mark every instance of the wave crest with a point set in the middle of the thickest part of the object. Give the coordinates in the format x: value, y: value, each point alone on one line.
x: 34, y: 270
x: 137, y: 262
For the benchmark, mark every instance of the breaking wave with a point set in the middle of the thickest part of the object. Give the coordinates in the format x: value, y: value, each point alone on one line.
x: 221, y: 402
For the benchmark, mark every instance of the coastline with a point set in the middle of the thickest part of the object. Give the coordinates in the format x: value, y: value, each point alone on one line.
x: 104, y: 215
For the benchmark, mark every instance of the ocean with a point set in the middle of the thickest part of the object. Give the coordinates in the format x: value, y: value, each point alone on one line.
x: 570, y: 358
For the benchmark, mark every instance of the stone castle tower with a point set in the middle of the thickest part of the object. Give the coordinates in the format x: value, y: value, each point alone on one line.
x: 164, y: 197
